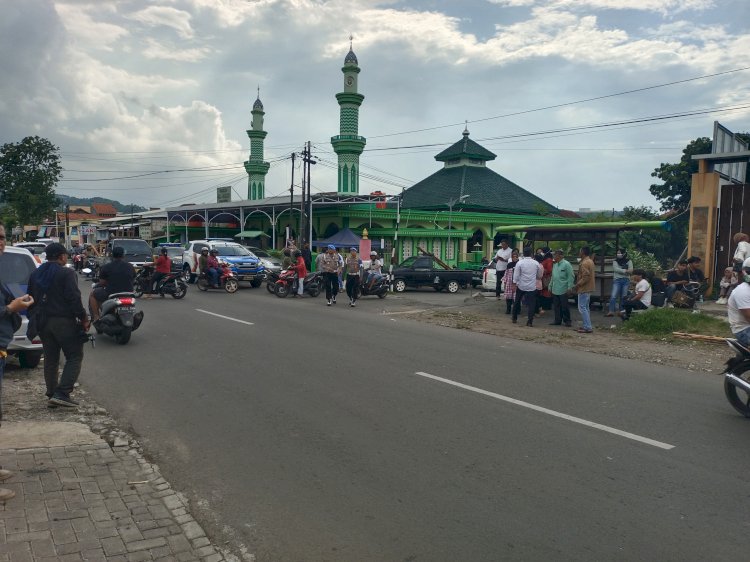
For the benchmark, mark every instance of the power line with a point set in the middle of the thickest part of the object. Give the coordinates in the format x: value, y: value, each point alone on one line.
x: 566, y: 104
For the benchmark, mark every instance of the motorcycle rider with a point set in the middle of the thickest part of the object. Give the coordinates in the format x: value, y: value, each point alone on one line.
x: 738, y: 307
x: 115, y: 277
x: 300, y: 269
x: 163, y: 267
x: 213, y: 267
x: 376, y: 270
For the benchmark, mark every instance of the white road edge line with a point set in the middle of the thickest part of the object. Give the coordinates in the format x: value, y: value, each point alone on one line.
x: 574, y: 419
x: 225, y: 317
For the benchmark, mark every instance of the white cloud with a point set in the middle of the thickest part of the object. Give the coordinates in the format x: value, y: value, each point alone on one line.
x: 87, y: 32
x: 157, y: 50
x: 663, y: 7
x: 155, y: 16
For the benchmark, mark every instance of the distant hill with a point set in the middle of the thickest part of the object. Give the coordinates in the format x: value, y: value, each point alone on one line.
x: 88, y: 201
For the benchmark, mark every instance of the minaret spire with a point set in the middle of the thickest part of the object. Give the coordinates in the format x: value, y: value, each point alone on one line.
x: 348, y: 145
x: 255, y: 166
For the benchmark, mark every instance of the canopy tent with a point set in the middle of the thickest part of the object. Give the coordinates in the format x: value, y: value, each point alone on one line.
x: 343, y: 239
x: 251, y: 234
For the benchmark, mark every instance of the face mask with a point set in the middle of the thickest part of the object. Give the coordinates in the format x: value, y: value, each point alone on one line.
x: 619, y: 256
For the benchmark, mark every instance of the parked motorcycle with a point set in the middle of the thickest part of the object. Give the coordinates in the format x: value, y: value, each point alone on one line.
x: 227, y: 280
x: 172, y: 284
x: 379, y: 287
x: 737, y: 378
x: 119, y: 317
x: 271, y: 278
x: 287, y: 283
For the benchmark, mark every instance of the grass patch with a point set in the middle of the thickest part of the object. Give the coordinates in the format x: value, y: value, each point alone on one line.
x: 661, y: 322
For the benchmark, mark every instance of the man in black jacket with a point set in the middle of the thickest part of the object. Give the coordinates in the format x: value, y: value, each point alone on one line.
x: 115, y: 277
x: 55, y: 290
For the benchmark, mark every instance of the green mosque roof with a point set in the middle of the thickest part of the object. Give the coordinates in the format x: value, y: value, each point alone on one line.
x: 487, y: 191
x: 465, y: 148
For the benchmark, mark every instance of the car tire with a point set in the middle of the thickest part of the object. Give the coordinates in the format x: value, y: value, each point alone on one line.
x: 399, y: 285
x: 453, y: 286
x: 29, y: 359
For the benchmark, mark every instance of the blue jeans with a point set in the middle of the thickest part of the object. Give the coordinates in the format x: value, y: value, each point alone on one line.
x: 584, y: 299
x: 213, y: 275
x: 743, y: 337
x: 619, y: 290
x: 2, y: 370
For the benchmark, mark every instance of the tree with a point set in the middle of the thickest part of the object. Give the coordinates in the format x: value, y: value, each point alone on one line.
x: 29, y: 171
x: 674, y: 193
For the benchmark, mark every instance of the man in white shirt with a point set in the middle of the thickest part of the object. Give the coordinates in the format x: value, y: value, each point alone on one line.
x: 642, y: 298
x: 525, y: 274
x: 738, y: 307
x: 501, y: 259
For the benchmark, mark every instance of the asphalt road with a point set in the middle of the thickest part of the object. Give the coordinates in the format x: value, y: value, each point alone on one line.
x: 316, y: 433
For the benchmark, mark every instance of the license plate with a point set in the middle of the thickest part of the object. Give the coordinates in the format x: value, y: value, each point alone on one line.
x: 127, y: 309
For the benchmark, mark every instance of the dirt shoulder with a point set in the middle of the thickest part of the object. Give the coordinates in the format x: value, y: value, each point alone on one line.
x: 486, y: 315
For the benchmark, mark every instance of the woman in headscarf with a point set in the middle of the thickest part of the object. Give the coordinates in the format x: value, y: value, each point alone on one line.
x: 510, y: 292
x: 544, y: 297
x: 622, y: 267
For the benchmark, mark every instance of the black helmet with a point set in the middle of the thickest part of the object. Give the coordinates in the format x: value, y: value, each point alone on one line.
x: 297, y: 253
x: 164, y: 251
x: 214, y: 251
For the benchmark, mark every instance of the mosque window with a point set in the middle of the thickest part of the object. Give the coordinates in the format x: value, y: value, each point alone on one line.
x: 406, y: 248
x: 436, y: 246
x: 449, y: 250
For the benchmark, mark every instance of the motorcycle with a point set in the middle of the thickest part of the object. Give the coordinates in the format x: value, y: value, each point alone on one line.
x: 271, y: 278
x: 379, y: 287
x: 227, y: 280
x: 287, y: 283
x: 119, y: 318
x: 737, y: 378
x: 172, y: 284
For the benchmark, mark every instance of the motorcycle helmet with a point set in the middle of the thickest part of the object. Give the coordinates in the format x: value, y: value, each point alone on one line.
x: 297, y: 253
x: 164, y: 251
x: 204, y: 250
x: 374, y: 254
x: 214, y: 252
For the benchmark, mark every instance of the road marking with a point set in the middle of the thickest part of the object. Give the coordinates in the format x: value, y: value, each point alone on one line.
x: 574, y: 419
x: 225, y: 317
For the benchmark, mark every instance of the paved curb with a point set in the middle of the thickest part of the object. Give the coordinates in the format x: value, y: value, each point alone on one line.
x: 93, y: 502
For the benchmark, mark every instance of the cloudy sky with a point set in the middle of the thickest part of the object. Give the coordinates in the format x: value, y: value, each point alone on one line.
x: 163, y: 89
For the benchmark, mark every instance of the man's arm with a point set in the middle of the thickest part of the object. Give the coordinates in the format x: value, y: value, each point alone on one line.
x: 745, y: 313
x: 72, y: 295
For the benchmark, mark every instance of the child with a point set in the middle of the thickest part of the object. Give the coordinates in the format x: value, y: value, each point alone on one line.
x: 727, y: 285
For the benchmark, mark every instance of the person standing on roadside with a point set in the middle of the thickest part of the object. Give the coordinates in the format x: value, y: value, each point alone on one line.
x: 525, y: 275
x: 584, y: 286
x: 560, y: 285
x: 353, y: 269
x: 329, y: 265
x: 300, y: 269
x: 510, y: 291
x: 501, y: 259
x: 307, y: 256
x: 55, y: 290
x: 10, y: 321
x: 622, y: 267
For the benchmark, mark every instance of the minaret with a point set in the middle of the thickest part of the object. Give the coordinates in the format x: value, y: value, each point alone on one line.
x: 348, y: 144
x: 255, y: 167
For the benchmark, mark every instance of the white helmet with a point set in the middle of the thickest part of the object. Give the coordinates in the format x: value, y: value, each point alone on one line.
x: 373, y: 253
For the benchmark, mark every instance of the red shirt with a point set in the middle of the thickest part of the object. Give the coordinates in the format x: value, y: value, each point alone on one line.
x: 300, y: 267
x: 163, y: 264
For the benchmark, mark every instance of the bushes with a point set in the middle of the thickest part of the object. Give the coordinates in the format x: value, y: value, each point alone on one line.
x: 661, y: 322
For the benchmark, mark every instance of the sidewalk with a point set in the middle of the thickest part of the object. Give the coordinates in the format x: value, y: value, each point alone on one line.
x: 79, y: 499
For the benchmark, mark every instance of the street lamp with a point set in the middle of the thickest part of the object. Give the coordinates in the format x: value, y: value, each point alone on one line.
x: 451, y: 203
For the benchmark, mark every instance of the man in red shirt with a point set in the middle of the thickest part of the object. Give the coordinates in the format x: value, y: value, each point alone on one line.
x: 300, y: 269
x: 163, y: 268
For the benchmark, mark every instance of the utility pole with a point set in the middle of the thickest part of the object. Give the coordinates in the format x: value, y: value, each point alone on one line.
x: 395, y: 237
x: 291, y: 204
x: 132, y: 222
x: 308, y: 161
x: 450, y: 204
x: 303, y: 206
x: 67, y: 225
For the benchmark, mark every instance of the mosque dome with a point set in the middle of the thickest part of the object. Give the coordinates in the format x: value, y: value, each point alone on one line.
x: 351, y: 58
x: 258, y: 104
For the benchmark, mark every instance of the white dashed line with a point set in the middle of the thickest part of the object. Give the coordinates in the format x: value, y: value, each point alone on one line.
x: 547, y: 411
x: 225, y: 317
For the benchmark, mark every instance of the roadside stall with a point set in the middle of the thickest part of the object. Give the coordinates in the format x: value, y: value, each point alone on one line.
x: 602, y: 237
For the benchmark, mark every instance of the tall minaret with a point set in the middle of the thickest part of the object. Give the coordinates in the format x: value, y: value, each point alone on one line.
x: 348, y: 144
x: 255, y: 167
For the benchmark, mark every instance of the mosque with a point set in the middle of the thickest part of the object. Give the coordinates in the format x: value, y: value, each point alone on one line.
x: 453, y: 213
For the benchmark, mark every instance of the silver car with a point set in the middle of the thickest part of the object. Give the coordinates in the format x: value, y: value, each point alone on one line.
x: 16, y: 266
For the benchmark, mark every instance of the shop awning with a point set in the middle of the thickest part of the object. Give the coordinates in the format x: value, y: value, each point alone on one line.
x: 251, y: 234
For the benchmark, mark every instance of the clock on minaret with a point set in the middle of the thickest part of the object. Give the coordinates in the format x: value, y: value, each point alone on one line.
x: 349, y: 80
